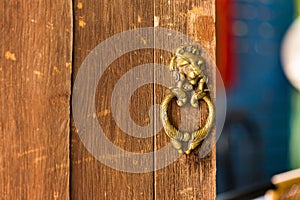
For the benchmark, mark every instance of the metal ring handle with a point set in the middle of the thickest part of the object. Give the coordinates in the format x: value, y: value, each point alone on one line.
x: 186, y: 65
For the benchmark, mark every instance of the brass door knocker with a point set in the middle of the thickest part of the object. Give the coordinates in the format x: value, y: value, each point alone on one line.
x: 187, y: 68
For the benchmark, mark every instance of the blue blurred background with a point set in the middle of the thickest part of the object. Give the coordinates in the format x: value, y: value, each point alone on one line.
x: 255, y: 141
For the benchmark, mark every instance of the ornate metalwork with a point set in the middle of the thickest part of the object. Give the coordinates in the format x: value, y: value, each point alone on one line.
x: 187, y: 68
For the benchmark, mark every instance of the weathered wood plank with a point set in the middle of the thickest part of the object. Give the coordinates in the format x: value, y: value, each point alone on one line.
x: 96, y: 21
x: 188, y: 177
x: 35, y: 80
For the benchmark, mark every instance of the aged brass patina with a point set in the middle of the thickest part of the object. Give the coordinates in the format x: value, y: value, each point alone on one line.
x: 187, y: 68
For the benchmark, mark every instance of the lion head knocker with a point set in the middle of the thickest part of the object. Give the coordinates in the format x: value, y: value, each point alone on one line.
x: 187, y: 67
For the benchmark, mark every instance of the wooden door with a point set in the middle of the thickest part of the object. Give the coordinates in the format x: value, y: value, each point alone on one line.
x: 43, y: 44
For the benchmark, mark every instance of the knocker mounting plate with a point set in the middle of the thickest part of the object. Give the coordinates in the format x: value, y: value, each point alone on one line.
x: 187, y: 67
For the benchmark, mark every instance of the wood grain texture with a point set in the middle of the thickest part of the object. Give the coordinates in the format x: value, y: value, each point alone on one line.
x: 35, y: 76
x: 188, y: 177
x: 96, y: 21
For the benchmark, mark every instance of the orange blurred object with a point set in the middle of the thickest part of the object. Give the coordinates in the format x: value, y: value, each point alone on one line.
x: 225, y: 58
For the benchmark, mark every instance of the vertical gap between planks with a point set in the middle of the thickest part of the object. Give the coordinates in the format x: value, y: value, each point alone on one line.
x: 72, y: 81
x: 154, y: 115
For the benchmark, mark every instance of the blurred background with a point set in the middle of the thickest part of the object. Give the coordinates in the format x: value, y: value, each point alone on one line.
x: 262, y: 125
